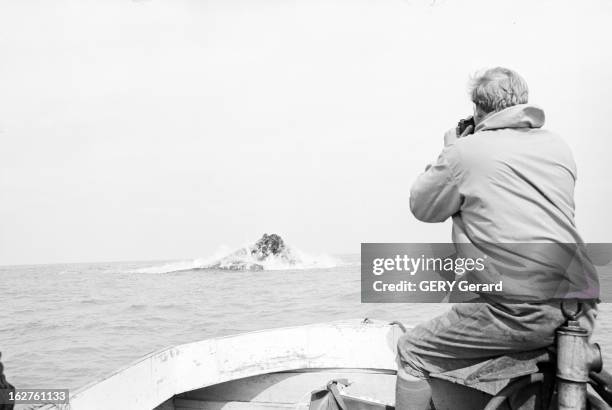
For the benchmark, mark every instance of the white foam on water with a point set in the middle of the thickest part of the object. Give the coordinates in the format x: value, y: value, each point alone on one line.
x: 302, y: 260
x: 183, y: 265
x: 299, y: 260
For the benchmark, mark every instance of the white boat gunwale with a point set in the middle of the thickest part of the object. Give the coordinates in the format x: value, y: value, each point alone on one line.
x: 164, y: 373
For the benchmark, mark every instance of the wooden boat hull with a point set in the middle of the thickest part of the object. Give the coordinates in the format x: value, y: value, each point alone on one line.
x: 277, y: 367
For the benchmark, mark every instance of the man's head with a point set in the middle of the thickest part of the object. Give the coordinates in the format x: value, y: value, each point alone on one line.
x: 495, y: 89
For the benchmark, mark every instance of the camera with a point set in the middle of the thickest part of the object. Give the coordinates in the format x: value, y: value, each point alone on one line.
x: 464, y: 123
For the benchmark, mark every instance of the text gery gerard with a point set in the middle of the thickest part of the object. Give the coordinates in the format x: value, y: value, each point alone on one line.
x: 436, y: 286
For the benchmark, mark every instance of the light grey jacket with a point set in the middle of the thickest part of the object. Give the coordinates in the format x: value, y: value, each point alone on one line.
x: 509, y: 182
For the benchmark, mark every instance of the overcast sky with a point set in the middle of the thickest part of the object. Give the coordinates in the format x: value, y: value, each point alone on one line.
x: 137, y: 130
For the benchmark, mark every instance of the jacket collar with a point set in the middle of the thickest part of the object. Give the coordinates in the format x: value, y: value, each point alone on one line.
x: 517, y: 116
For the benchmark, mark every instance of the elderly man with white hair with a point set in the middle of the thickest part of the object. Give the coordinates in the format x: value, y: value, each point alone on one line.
x: 502, y: 180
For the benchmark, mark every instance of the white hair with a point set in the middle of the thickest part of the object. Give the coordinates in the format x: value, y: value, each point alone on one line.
x: 497, y: 88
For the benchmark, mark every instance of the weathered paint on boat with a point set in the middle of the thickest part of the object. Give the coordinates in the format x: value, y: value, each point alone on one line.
x: 363, y: 349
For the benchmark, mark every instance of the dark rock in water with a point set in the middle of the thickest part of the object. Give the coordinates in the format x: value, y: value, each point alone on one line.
x: 270, y: 248
x: 268, y: 245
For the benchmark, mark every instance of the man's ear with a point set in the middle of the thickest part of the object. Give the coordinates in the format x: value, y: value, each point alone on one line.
x: 479, y: 114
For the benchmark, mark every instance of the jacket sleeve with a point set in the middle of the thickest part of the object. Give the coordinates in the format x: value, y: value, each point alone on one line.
x: 435, y: 196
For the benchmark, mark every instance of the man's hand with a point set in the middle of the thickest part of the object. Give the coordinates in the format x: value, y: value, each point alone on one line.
x: 451, y: 135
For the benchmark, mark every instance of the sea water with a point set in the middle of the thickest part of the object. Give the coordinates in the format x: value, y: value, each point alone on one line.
x: 64, y: 326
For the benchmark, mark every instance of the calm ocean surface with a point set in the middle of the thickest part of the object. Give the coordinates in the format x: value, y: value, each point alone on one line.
x: 63, y: 326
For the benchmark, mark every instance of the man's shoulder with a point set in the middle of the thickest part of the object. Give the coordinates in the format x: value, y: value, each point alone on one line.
x: 511, y: 144
x: 518, y: 138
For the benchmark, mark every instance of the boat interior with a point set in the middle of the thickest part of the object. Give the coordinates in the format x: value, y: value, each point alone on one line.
x: 288, y: 390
